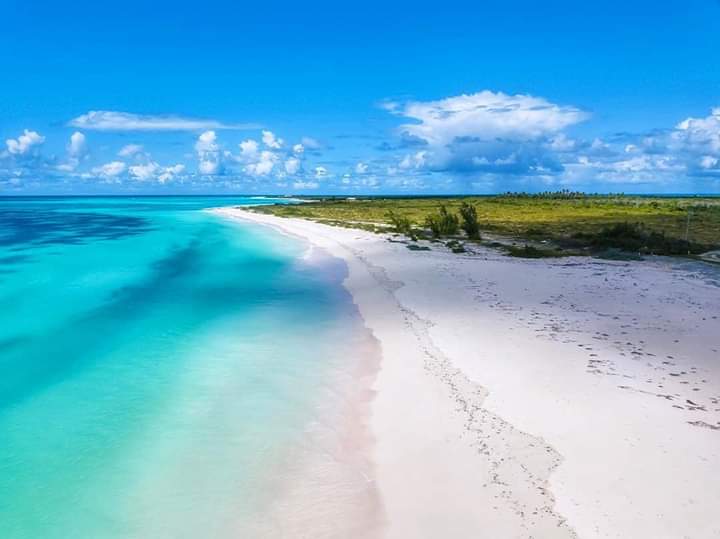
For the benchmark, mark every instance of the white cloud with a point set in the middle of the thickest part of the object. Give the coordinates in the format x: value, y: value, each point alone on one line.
x: 264, y: 165
x: 108, y: 120
x: 416, y: 160
x: 209, y: 167
x: 271, y: 141
x: 487, y: 115
x: 169, y: 173
x: 306, y: 185
x: 698, y: 141
x: 709, y: 162
x: 110, y: 170
x: 145, y: 171
x: 207, y: 142
x: 321, y: 172
x: 561, y: 143
x: 701, y: 132
x: 249, y: 150
x: 310, y: 143
x: 77, y: 147
x: 298, y: 149
x: 361, y: 168
x: 76, y: 150
x: 25, y: 144
x: 208, y: 153
x: 488, y: 132
x: 292, y: 165
x: 131, y: 150
x: 153, y: 171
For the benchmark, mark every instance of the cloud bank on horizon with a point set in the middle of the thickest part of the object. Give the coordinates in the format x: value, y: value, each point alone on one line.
x: 481, y: 142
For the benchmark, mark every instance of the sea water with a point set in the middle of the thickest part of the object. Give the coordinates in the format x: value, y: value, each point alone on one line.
x: 160, y: 366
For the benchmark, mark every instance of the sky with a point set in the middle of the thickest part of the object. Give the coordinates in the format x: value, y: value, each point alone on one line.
x: 370, y: 98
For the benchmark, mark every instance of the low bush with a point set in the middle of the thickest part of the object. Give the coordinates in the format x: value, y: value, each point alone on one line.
x: 400, y: 223
x: 633, y: 237
x: 443, y: 223
x: 470, y: 223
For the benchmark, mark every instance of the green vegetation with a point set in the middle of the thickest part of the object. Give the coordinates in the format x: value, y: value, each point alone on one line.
x: 400, y: 223
x: 470, y: 223
x: 443, y: 223
x: 634, y: 237
x: 574, y: 222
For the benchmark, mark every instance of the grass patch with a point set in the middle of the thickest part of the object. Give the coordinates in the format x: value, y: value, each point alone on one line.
x: 573, y: 219
x: 636, y: 238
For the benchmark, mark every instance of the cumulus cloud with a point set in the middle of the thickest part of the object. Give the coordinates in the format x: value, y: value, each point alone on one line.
x: 77, y: 148
x: 76, y: 151
x: 487, y: 132
x: 112, y: 169
x: 698, y: 140
x: 26, y: 144
x: 108, y: 120
x: 208, y: 154
x: 411, y: 161
x: 701, y: 133
x: 306, y: 185
x: 690, y: 149
x: 145, y: 171
x: 271, y: 141
x: 264, y: 165
x: 361, y: 168
x: 131, y: 150
x: 249, y: 150
x: 321, y: 172
x: 169, y: 173
x: 257, y: 162
x: 310, y: 143
x: 298, y: 149
x: 488, y: 115
x: 153, y: 171
x: 293, y: 165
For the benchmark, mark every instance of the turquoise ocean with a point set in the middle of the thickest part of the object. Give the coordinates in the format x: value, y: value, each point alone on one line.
x: 158, y: 365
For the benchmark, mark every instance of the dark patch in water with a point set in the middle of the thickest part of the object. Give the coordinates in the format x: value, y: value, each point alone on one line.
x: 24, y: 229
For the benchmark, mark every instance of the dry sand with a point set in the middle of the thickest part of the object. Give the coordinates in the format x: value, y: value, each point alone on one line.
x: 533, y: 398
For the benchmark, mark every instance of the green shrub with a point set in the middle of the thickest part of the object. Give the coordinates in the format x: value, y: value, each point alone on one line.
x: 400, y: 223
x: 633, y: 237
x: 470, y: 220
x: 443, y: 223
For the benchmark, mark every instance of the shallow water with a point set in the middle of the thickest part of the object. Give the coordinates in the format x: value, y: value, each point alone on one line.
x: 159, y: 366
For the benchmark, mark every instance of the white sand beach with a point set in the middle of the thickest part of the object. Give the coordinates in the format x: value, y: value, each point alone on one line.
x: 524, y: 398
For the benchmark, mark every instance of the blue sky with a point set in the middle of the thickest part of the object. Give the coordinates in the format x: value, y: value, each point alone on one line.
x: 379, y: 97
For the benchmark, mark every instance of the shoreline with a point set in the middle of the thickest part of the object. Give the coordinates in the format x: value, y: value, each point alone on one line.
x: 522, y: 398
x: 324, y: 487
